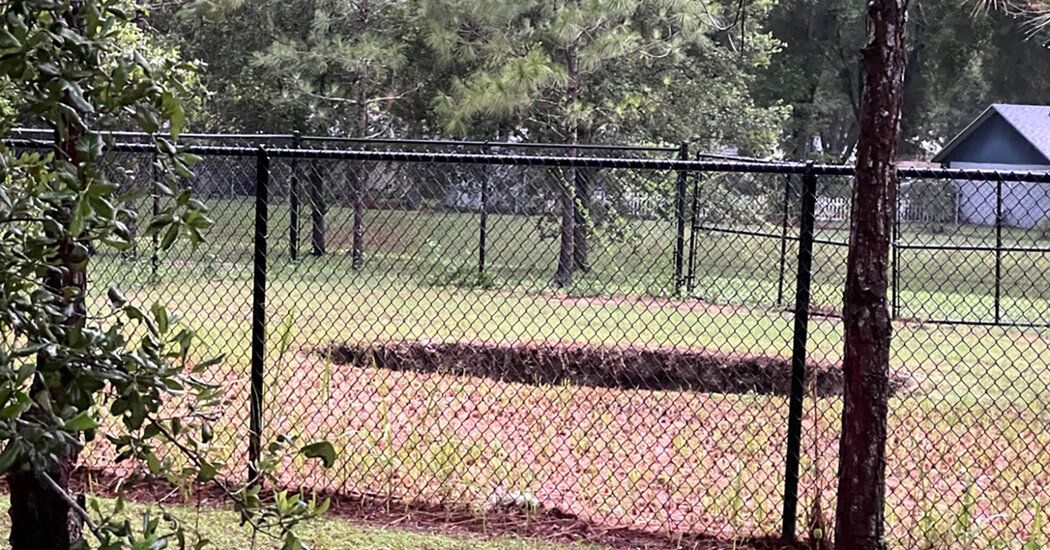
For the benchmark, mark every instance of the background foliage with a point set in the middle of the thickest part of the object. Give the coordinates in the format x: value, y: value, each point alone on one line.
x: 767, y: 77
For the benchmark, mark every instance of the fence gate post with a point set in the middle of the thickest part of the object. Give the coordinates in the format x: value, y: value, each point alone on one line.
x: 262, y: 183
x: 694, y: 226
x: 998, y: 247
x: 317, y: 209
x: 784, y: 239
x: 679, y: 209
x: 895, y: 258
x: 483, y: 227
x: 798, y: 353
x: 293, y: 199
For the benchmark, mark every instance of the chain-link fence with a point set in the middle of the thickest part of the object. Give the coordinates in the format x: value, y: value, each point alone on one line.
x: 619, y: 337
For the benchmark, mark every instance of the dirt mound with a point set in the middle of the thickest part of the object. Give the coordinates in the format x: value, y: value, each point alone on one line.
x: 627, y: 368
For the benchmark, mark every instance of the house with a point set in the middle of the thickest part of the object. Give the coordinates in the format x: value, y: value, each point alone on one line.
x: 1003, y: 137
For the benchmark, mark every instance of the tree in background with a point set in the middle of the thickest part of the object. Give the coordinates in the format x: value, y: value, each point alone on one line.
x: 346, y: 63
x: 959, y: 61
x: 123, y: 374
x: 325, y: 67
x: 816, y: 74
x: 531, y: 61
x: 573, y: 72
x: 225, y: 35
x: 972, y: 58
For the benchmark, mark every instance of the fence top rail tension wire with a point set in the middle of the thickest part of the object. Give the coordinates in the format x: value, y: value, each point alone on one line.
x: 299, y: 138
x: 785, y: 167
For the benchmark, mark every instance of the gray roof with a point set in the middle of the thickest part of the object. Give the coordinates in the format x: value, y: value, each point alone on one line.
x: 1031, y: 121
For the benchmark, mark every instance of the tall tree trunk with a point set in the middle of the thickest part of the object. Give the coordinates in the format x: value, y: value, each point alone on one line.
x: 582, y: 221
x: 360, y: 130
x: 358, y: 181
x: 859, y: 522
x: 41, y: 517
x: 819, y: 21
x: 566, y: 249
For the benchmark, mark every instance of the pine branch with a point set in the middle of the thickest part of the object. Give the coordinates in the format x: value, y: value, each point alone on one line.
x: 350, y: 101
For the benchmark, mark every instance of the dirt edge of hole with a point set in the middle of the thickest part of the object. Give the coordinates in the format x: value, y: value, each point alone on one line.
x: 656, y: 369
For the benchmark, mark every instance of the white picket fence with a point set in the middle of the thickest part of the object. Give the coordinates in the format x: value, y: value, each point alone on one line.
x: 836, y: 209
x: 832, y: 209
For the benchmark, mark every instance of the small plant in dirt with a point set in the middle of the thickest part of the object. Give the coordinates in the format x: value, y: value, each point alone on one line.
x: 965, y: 527
x: 465, y: 277
x: 1035, y: 539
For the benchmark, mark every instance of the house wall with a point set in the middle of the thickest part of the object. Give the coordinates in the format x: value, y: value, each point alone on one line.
x: 995, y: 141
x: 1025, y: 204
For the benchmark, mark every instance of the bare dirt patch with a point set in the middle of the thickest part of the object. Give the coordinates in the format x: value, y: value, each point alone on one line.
x: 603, y: 367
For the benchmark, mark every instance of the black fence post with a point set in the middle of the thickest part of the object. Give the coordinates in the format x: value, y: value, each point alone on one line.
x: 783, y: 240
x: 293, y: 200
x: 895, y: 258
x: 798, y: 353
x: 317, y: 210
x: 679, y: 209
x: 154, y: 259
x: 998, y: 247
x: 694, y: 226
x: 483, y: 227
x: 262, y: 183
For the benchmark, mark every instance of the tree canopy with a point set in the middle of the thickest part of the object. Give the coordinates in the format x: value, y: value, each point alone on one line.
x: 767, y: 77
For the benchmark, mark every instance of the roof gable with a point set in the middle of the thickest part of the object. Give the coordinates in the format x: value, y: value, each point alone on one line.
x: 1031, y: 122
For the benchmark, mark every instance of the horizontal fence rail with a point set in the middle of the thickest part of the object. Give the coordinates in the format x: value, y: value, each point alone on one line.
x: 649, y: 343
x: 269, y: 140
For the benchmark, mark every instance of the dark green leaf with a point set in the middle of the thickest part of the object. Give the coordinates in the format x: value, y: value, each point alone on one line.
x: 81, y: 422
x: 322, y: 450
x: 10, y: 456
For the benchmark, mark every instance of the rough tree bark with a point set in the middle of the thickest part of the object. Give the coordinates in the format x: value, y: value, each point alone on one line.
x: 40, y: 515
x: 859, y: 522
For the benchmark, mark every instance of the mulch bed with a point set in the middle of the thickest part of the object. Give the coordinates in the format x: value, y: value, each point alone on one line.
x: 658, y: 369
x: 551, y: 525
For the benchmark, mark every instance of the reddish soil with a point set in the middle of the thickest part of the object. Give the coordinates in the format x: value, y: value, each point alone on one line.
x: 428, y: 448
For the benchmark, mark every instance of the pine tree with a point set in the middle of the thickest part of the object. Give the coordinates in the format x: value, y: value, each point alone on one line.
x: 861, y: 505
x: 535, y: 66
x: 341, y: 71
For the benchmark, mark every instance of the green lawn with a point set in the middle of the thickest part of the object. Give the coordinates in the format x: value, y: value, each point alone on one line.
x: 222, y: 528
x: 425, y: 247
x: 968, y: 440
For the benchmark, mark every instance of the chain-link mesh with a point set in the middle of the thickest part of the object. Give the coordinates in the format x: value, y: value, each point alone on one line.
x: 424, y: 315
x: 449, y: 368
x: 967, y: 452
x: 208, y: 287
